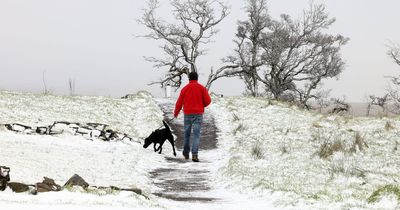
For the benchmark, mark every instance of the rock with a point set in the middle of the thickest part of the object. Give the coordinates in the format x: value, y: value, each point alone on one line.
x: 4, y: 177
x: 76, y: 180
x: 97, y: 126
x: 18, y: 127
x: 47, y: 185
x: 3, y: 185
x: 18, y: 187
x: 135, y: 190
x: 42, y: 130
x: 142, y: 94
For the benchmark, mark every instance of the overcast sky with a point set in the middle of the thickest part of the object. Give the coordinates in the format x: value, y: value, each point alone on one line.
x: 93, y: 42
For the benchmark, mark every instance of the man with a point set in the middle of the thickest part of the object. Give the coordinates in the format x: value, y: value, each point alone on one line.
x: 193, y: 97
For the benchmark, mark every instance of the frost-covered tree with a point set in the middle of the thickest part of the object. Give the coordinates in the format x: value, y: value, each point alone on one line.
x: 193, y: 26
x: 299, y: 55
x: 391, y: 100
x: 339, y: 106
x: 290, y: 58
x: 378, y: 101
x: 393, y: 91
x: 246, y: 59
x: 394, y: 53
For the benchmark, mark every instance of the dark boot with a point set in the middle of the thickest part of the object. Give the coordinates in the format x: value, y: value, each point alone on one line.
x: 186, y: 156
x: 195, y: 158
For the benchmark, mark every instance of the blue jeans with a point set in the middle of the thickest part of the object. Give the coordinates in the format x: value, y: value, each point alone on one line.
x: 192, y: 121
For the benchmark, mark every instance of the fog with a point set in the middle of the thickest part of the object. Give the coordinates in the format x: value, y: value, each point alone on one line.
x: 95, y: 43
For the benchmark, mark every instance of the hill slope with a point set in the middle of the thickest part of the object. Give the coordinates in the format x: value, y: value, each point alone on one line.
x: 117, y: 163
x: 313, y: 161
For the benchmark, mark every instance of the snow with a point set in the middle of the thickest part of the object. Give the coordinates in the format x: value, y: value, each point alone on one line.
x: 268, y: 155
x: 290, y: 139
x: 123, y: 164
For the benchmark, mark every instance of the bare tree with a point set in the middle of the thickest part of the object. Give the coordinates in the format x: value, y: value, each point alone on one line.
x: 298, y: 55
x: 246, y: 58
x: 45, y: 91
x: 322, y: 102
x: 195, y: 22
x: 339, y: 106
x: 71, y: 85
x: 394, y: 87
x: 291, y: 58
x: 391, y: 100
x: 394, y: 53
x: 378, y: 101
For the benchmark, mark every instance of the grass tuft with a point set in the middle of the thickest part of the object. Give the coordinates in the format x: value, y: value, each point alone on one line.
x: 284, y: 149
x: 257, y: 151
x: 327, y: 149
x: 389, y: 126
x: 235, y: 117
x: 359, y: 143
x: 387, y: 189
x: 240, y: 128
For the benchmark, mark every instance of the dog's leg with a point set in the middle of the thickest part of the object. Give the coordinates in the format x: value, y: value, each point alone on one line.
x: 171, y: 140
x: 160, y: 147
x: 155, y: 150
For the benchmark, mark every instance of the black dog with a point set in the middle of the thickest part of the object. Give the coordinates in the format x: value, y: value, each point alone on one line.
x: 158, y: 137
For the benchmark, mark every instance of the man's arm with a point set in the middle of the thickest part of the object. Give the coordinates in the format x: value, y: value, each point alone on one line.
x: 178, y: 105
x: 206, y: 98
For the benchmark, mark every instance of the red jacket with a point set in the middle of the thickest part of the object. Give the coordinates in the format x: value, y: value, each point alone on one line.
x: 193, y: 97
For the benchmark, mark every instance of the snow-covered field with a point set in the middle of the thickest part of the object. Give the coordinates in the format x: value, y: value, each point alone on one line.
x: 122, y: 164
x: 269, y: 154
x: 311, y: 161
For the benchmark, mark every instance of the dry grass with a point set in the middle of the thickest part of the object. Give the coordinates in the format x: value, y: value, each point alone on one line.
x: 235, y: 117
x: 327, y: 149
x: 257, y: 151
x: 389, y: 126
x: 316, y: 136
x: 396, y: 147
x: 316, y: 125
x: 240, y: 128
x: 284, y: 149
x: 359, y: 143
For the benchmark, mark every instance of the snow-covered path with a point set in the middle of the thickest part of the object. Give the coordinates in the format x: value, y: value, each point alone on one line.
x: 180, y: 179
x: 195, y: 184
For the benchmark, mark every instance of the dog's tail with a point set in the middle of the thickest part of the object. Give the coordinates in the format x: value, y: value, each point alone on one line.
x: 166, y: 125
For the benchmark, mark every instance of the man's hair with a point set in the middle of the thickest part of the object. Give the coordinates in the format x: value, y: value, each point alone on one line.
x: 193, y: 76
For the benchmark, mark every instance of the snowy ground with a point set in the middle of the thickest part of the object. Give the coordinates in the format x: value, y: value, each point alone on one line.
x: 269, y: 155
x: 123, y: 164
x: 275, y: 149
